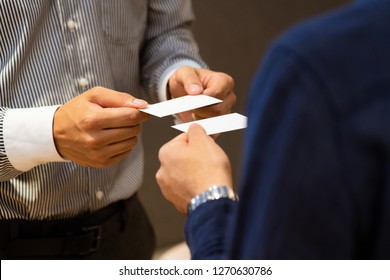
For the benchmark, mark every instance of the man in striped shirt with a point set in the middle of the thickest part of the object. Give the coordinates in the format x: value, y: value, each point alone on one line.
x: 71, y: 74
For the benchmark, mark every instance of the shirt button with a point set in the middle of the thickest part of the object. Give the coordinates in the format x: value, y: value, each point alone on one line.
x: 71, y: 24
x: 83, y: 82
x: 99, y: 195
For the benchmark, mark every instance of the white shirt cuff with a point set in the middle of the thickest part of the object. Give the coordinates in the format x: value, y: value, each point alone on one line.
x: 162, y: 89
x: 28, y: 137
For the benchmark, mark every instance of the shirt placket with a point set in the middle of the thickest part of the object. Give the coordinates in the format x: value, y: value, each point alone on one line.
x: 71, y: 13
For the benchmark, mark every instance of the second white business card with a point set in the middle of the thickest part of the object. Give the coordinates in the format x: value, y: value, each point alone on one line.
x: 218, y: 124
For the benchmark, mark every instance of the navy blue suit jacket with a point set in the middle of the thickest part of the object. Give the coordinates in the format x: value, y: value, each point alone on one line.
x: 316, y: 168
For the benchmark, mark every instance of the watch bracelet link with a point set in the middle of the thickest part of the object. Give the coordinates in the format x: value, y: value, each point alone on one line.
x: 213, y: 193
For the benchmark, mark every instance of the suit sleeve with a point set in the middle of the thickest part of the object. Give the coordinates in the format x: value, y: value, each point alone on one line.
x: 206, y: 229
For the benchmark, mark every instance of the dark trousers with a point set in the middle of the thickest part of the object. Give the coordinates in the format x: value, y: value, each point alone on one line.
x: 120, y: 231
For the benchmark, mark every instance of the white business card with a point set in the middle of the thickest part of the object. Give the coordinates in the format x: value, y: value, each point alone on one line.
x: 180, y: 104
x: 218, y: 124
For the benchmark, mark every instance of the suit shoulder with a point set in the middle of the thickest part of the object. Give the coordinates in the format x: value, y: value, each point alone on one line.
x: 348, y: 25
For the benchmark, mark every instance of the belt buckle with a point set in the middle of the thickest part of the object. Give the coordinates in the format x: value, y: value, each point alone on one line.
x: 97, y: 230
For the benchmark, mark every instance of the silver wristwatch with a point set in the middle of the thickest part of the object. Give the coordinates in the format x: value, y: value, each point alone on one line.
x: 213, y: 193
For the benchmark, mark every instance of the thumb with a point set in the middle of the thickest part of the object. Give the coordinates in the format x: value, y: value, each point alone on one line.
x: 108, y: 98
x: 189, y: 78
x: 196, y: 133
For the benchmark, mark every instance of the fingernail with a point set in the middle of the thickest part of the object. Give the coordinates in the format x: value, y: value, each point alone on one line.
x: 140, y: 102
x: 195, y: 88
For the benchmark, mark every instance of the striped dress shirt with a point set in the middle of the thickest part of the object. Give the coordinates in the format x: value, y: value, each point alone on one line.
x: 50, y: 52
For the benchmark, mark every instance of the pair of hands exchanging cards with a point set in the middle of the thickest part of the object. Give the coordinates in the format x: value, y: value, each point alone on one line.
x: 213, y: 125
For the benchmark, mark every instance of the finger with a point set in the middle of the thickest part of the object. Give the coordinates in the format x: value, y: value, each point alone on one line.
x: 107, y: 98
x: 103, y: 156
x: 160, y: 178
x: 109, y: 136
x: 183, y: 137
x: 186, y: 116
x: 217, y: 109
x: 116, y: 158
x: 119, y: 117
x: 114, y: 152
x: 170, y: 147
x: 219, y: 85
x: 197, y: 134
x: 121, y: 147
x: 189, y: 79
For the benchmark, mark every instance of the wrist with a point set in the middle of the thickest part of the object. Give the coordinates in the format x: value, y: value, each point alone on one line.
x: 166, y: 75
x: 214, y: 192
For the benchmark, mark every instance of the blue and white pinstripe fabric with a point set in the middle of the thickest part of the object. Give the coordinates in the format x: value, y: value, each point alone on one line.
x: 46, y: 47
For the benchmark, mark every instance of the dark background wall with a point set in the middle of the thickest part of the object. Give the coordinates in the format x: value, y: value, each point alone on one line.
x: 233, y: 36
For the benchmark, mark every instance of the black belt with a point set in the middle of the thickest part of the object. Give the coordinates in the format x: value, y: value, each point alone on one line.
x: 78, y: 236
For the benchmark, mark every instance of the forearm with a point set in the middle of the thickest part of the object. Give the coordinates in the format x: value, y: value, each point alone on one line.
x: 169, y: 44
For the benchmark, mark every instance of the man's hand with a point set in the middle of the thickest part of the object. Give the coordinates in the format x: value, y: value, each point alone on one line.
x: 99, y: 127
x: 190, y: 164
x: 187, y: 80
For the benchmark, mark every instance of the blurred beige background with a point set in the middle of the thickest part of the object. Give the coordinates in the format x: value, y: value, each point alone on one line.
x: 233, y: 36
